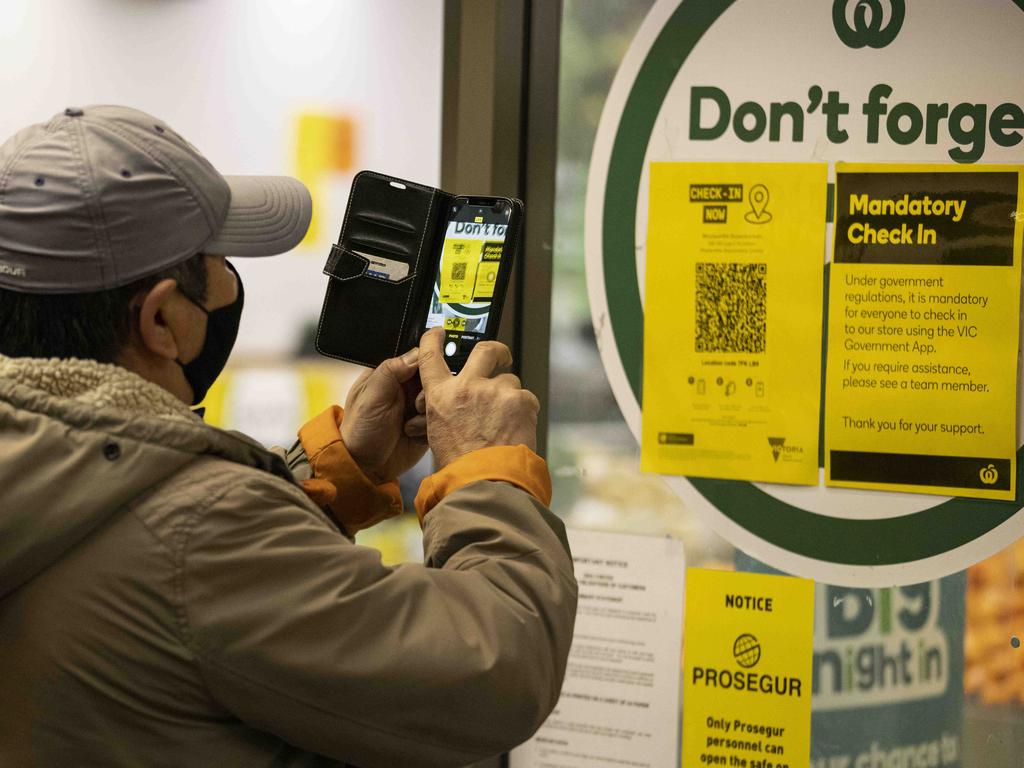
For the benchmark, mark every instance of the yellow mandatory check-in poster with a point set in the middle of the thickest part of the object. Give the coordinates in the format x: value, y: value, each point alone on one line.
x: 487, y: 272
x: 732, y: 320
x: 747, y: 670
x: 924, y: 303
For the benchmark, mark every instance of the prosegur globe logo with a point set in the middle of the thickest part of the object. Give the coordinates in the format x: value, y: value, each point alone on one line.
x: 864, y: 22
x: 746, y: 650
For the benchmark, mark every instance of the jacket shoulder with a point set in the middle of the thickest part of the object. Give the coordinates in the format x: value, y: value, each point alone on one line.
x: 175, y: 504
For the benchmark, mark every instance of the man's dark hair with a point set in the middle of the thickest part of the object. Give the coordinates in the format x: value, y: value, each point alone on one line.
x: 89, y: 326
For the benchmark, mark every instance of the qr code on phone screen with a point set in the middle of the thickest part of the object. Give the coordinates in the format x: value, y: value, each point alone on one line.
x: 459, y: 271
x: 731, y: 307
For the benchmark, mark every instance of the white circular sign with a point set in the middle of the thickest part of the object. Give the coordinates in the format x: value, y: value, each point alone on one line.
x: 690, y: 88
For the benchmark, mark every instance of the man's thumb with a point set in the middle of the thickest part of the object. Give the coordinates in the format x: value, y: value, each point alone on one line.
x: 401, y: 369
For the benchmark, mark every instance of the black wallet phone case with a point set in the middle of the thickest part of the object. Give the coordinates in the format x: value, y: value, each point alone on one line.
x: 366, y: 319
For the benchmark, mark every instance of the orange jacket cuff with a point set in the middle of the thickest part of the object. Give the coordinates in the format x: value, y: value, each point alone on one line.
x: 356, y: 503
x: 515, y: 464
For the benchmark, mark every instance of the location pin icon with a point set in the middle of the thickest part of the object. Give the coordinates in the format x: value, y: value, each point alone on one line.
x: 759, y: 200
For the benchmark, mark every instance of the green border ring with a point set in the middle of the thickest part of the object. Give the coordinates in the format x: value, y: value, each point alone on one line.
x: 901, y: 549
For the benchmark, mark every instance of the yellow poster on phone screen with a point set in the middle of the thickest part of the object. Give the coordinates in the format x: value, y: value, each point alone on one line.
x: 459, y: 261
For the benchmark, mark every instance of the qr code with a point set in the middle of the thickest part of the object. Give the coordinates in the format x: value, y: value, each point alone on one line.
x: 459, y: 271
x: 731, y: 307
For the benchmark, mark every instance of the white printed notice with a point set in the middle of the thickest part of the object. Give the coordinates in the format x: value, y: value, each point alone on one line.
x: 620, y: 700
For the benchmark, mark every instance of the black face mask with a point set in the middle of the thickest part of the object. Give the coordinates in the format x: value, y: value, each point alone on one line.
x: 221, y: 331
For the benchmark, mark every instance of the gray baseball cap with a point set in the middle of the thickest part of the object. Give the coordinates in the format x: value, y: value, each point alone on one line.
x: 101, y: 196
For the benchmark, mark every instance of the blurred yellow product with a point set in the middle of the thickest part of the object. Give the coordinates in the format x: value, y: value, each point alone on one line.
x: 992, y: 637
x: 998, y: 692
x: 319, y: 392
x: 972, y: 647
x: 215, y: 402
x: 324, y: 146
x: 1018, y: 561
x: 1017, y: 600
x: 1004, y: 663
x: 974, y: 680
x: 994, y: 669
x: 396, y: 539
x: 994, y: 605
x: 455, y: 323
x: 988, y: 571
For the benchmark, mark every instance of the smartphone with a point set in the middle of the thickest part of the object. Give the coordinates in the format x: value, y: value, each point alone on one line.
x: 472, y: 276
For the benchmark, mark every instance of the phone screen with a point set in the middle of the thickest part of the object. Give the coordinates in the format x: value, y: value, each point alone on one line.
x: 464, y: 286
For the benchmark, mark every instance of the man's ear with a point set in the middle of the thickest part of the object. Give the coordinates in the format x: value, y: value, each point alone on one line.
x: 156, y: 308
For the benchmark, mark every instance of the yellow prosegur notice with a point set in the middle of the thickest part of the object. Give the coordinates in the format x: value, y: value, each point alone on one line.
x: 732, y: 323
x: 924, y: 311
x: 747, y: 670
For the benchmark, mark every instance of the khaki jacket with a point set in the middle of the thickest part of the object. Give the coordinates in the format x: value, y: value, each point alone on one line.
x: 170, y: 597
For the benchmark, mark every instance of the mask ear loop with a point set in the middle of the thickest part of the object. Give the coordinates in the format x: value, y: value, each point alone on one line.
x: 204, y: 310
x: 202, y: 387
x: 201, y: 308
x: 199, y: 411
x: 136, y: 309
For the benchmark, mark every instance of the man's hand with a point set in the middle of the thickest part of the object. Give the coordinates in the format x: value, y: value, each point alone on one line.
x: 482, y: 407
x: 373, y: 429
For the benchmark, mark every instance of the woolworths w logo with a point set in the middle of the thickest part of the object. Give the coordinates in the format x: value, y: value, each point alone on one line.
x: 862, y: 23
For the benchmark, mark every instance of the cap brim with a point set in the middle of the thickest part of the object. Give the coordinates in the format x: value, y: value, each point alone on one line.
x: 267, y: 215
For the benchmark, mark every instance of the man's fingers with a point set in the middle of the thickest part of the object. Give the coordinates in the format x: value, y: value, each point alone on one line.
x: 401, y: 369
x: 509, y: 380
x: 488, y: 358
x: 416, y: 426
x: 421, y: 402
x: 361, y: 381
x: 433, y: 369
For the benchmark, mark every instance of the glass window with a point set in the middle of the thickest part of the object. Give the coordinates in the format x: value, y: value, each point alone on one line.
x: 595, y: 464
x: 594, y: 457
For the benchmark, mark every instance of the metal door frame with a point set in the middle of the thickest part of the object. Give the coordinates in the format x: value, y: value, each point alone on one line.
x: 499, y: 137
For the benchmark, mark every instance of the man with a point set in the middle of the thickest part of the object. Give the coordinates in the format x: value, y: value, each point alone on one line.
x: 169, y: 593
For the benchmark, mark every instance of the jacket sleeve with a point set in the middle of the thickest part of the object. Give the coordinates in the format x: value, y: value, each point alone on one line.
x: 305, y: 635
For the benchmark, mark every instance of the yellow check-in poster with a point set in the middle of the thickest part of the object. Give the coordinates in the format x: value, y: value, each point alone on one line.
x: 924, y: 303
x: 459, y: 261
x: 732, y: 320
x: 747, y: 668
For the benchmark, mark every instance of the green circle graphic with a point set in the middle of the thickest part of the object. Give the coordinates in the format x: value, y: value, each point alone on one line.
x: 875, y: 542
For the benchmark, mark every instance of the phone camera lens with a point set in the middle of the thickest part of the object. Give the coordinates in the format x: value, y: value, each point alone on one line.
x: 498, y: 207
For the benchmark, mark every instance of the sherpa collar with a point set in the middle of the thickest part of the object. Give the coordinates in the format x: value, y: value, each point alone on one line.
x: 96, y: 384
